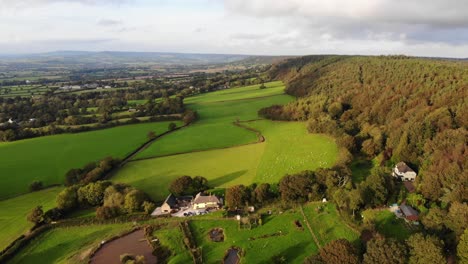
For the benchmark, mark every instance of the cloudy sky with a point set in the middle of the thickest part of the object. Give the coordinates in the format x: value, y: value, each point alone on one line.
x: 277, y: 27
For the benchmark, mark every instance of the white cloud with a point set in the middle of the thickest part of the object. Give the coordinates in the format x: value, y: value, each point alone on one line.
x: 415, y: 27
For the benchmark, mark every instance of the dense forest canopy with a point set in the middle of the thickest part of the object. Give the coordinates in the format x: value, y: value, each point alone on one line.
x: 405, y: 109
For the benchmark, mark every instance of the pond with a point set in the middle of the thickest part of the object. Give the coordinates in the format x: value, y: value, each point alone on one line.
x: 232, y: 256
x: 134, y: 243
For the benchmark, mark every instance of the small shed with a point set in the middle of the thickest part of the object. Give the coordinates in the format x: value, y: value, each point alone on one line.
x: 409, y: 212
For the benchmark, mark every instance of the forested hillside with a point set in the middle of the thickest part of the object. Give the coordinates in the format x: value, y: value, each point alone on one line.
x: 408, y: 109
x: 390, y: 109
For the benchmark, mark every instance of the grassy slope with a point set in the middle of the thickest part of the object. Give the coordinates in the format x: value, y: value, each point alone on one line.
x: 264, y: 162
x: 289, y: 149
x: 13, y: 213
x: 387, y: 223
x: 294, y: 245
x: 222, y: 167
x: 327, y: 224
x: 215, y: 128
x: 48, y: 158
x: 174, y: 240
x: 252, y: 91
x: 64, y: 245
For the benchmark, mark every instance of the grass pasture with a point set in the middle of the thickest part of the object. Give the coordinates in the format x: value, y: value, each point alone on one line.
x: 238, y: 93
x: 294, y: 244
x: 13, y: 213
x: 67, y: 245
x: 213, y: 146
x: 172, y: 238
x: 268, y: 161
x: 222, y: 167
x: 47, y: 159
x: 327, y: 224
x: 215, y: 128
x: 387, y: 224
x: 289, y: 149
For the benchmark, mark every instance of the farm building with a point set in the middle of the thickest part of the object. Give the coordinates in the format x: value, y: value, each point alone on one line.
x: 169, y: 204
x: 173, y: 204
x: 404, y: 172
x: 409, y: 212
x: 205, y: 201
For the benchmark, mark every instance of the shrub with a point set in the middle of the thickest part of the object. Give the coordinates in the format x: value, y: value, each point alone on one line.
x: 36, y: 186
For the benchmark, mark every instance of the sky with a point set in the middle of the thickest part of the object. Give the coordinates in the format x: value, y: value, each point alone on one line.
x: 259, y: 27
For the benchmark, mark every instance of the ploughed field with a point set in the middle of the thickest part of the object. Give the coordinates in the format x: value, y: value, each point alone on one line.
x: 48, y: 159
x: 228, y: 154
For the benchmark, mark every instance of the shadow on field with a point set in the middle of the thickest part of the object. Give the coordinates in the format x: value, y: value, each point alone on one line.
x: 227, y: 178
x: 290, y: 254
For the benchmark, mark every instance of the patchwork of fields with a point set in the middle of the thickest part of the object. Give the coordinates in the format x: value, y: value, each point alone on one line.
x: 215, y: 129
x: 277, y: 236
x: 73, y: 244
x: 218, y: 146
x: 47, y: 159
x: 227, y: 161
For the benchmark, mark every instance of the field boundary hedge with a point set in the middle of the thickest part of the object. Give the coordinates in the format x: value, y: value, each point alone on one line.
x: 21, y: 242
x: 260, y: 139
x: 142, y: 147
x: 191, y: 243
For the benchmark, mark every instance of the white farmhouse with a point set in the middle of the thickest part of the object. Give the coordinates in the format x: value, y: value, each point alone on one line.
x: 404, y: 172
x: 203, y: 202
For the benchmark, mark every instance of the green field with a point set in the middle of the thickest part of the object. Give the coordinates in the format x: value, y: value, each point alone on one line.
x: 48, y: 158
x: 73, y: 244
x: 252, y: 91
x: 294, y: 244
x: 288, y: 147
x: 327, y: 224
x: 215, y: 128
x: 67, y: 245
x: 260, y: 162
x: 222, y: 168
x: 13, y: 214
x: 387, y: 223
x: 172, y: 238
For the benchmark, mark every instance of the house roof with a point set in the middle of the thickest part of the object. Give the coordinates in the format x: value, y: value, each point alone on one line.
x: 408, y: 210
x: 402, y: 167
x: 205, y: 199
x: 171, y: 200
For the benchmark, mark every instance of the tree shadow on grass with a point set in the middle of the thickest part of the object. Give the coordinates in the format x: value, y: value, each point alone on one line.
x: 227, y: 178
x: 291, y: 254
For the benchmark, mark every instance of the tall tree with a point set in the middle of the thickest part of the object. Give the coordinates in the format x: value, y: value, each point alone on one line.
x: 339, y: 251
x: 36, y: 215
x: 425, y: 249
x: 385, y: 251
x: 236, y: 196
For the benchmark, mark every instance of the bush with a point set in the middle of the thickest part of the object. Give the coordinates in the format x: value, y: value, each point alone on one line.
x: 107, y: 212
x: 172, y: 126
x: 148, y: 207
x: 36, y: 215
x: 36, y: 186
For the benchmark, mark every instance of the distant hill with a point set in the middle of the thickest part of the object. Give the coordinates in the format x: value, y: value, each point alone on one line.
x: 125, y: 58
